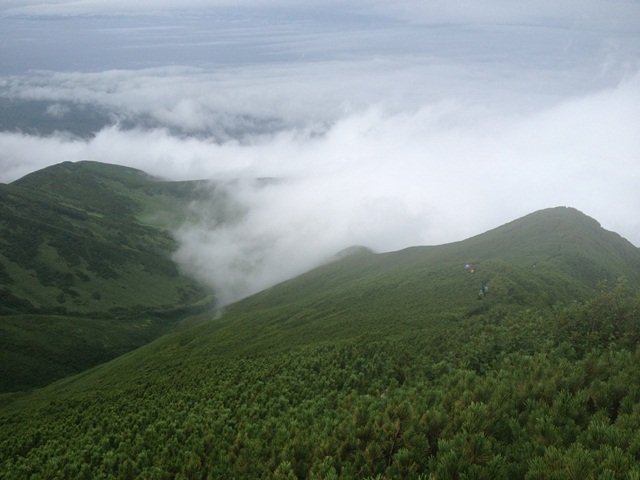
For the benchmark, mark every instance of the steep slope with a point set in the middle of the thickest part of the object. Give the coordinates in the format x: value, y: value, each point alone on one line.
x: 85, y: 268
x: 374, y: 366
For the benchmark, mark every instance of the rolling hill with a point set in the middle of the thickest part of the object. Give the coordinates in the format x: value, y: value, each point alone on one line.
x: 378, y: 366
x: 85, y: 268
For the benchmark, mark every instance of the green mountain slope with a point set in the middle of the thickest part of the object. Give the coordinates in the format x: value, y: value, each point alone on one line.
x: 374, y: 366
x: 85, y: 245
x: 552, y: 256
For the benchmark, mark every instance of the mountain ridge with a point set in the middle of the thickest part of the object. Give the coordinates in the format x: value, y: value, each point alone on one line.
x: 375, y: 366
x: 483, y: 249
x: 88, y: 220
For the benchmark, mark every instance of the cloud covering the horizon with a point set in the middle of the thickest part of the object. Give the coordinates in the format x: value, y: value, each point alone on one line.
x: 381, y: 131
x: 577, y: 12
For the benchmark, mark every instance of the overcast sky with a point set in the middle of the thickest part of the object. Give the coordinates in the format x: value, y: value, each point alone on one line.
x: 389, y: 124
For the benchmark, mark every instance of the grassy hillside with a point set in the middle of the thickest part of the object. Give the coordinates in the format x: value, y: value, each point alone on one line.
x: 374, y: 366
x: 87, y: 244
x: 549, y: 257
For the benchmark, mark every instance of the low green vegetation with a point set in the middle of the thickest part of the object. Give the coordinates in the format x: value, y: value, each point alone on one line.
x: 378, y: 366
x: 549, y: 393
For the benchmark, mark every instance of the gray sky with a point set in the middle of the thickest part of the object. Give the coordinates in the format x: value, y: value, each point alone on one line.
x: 390, y: 124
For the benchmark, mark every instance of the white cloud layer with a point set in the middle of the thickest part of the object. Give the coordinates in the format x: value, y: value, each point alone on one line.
x: 438, y: 174
x: 576, y: 13
x: 402, y: 133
